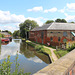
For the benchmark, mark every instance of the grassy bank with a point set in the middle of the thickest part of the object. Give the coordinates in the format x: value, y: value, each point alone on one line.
x: 39, y: 48
x: 61, y: 53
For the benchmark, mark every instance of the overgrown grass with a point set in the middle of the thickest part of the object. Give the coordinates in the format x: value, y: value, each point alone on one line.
x: 40, y: 48
x: 60, y: 53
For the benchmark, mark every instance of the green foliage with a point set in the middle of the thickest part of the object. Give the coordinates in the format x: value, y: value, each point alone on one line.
x: 60, y: 53
x: 31, y: 44
x: 38, y: 47
x: 72, y: 22
x: 26, y: 27
x: 49, y: 21
x: 61, y: 20
x: 71, y: 48
x: 16, y: 34
x: 1, y: 35
x: 5, y: 67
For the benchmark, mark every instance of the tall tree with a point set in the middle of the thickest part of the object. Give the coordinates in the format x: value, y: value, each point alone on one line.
x: 16, y: 34
x: 26, y: 27
x: 49, y: 21
x: 63, y: 21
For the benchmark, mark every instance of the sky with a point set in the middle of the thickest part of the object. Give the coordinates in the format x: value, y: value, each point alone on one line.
x: 14, y: 12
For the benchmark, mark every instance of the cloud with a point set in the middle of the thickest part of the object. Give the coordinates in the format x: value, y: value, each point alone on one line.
x: 70, y: 18
x: 71, y: 7
x: 62, y: 10
x: 50, y: 10
x: 35, y: 9
x: 36, y: 60
x: 6, y: 18
x: 10, y: 49
x: 39, y: 20
x: 11, y: 22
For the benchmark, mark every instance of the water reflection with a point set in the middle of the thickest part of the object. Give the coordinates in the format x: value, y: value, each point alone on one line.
x: 29, y: 59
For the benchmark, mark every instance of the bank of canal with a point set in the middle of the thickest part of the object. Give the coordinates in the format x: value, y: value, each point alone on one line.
x: 29, y: 59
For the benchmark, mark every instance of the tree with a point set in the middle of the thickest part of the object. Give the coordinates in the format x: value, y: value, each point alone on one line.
x: 26, y: 27
x: 72, y: 22
x: 61, y: 20
x: 16, y: 34
x: 49, y: 21
x: 58, y: 20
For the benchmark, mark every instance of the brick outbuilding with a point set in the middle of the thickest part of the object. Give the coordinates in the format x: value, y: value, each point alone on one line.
x: 54, y: 33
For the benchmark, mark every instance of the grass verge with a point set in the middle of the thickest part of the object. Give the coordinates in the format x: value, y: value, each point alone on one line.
x: 40, y: 48
x: 61, y: 53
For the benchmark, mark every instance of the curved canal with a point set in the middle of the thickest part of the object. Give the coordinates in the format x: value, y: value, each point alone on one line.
x: 29, y: 59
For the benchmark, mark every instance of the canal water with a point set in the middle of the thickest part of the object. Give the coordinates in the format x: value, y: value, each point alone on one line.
x: 29, y: 59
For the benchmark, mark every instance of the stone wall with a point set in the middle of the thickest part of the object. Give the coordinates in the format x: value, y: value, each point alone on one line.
x: 63, y: 66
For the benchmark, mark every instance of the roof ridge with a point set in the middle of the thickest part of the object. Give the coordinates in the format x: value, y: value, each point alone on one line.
x: 51, y: 25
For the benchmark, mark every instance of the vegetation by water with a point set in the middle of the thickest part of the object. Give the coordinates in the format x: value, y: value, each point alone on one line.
x: 61, y: 53
x: 1, y: 35
x: 39, y: 48
x: 5, y: 67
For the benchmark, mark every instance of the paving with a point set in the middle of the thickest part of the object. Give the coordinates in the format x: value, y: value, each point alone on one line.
x: 52, y: 52
x: 63, y: 66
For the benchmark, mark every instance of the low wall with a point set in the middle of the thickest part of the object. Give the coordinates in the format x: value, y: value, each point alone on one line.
x: 63, y: 66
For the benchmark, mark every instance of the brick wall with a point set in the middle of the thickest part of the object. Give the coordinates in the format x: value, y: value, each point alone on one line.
x: 54, y: 34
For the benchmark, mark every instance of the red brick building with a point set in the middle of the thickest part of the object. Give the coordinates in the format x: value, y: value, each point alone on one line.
x: 53, y: 33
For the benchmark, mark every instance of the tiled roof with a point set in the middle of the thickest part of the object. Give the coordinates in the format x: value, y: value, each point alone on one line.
x: 56, y: 26
x: 44, y: 27
x: 5, y: 33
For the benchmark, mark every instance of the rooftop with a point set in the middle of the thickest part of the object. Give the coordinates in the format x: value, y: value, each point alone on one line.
x: 56, y: 26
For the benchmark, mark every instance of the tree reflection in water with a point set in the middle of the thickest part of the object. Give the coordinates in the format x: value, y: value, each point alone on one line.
x: 29, y: 52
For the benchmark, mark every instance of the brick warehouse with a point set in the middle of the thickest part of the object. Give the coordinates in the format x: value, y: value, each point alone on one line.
x: 54, y: 33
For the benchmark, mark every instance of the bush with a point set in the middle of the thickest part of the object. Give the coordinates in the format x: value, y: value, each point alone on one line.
x: 60, y: 53
x: 71, y: 48
x: 5, y: 67
x: 38, y: 47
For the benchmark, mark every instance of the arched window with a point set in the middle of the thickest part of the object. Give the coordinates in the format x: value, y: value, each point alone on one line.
x: 51, y: 39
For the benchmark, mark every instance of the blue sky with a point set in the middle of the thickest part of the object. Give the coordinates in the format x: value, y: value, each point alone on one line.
x: 14, y: 12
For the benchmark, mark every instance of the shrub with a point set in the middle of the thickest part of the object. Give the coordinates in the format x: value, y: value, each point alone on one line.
x: 38, y: 47
x: 71, y: 48
x: 5, y: 67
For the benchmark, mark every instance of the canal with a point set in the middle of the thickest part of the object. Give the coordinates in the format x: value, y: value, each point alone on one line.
x: 29, y: 59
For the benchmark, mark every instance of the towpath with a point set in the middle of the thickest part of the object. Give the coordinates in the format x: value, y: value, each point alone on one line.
x: 52, y: 52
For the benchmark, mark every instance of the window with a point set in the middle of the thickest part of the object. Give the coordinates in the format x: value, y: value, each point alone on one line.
x: 64, y: 33
x: 72, y: 38
x: 58, y: 38
x: 51, y: 39
x: 58, y: 32
x: 51, y: 32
